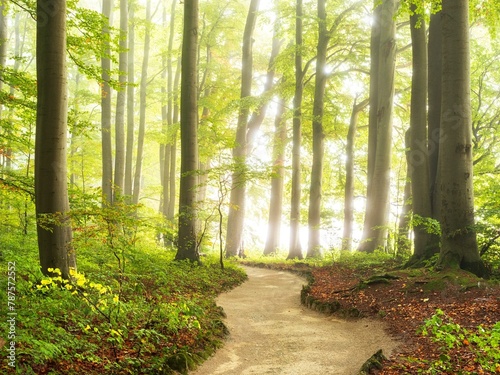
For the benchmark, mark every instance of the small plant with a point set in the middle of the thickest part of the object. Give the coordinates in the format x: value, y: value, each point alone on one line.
x: 483, y: 343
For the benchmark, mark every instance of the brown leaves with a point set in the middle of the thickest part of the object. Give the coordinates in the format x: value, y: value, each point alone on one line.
x: 405, y: 303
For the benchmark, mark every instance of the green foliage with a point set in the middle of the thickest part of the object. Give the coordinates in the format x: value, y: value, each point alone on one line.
x: 483, y: 343
x: 129, y: 306
x: 430, y: 225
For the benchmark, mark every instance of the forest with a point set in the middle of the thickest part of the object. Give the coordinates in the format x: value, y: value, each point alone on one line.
x: 149, y: 148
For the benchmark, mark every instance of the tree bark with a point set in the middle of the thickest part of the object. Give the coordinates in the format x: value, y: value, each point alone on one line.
x: 142, y: 107
x: 167, y: 109
x: 377, y: 204
x: 107, y: 156
x: 314, y: 214
x: 51, y: 190
x: 236, y: 212
x: 418, y: 157
x: 458, y: 237
x: 130, y: 106
x: 276, y: 202
x: 187, y: 235
x: 121, y: 99
x: 435, y: 70
x: 295, y: 248
x: 349, y: 175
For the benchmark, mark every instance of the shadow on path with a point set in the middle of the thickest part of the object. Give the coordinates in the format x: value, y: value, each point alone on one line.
x: 272, y: 333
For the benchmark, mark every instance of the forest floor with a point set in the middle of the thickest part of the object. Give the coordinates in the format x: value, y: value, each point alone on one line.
x: 272, y: 333
x: 404, y: 300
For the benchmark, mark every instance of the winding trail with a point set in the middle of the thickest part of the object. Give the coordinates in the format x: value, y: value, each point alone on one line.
x: 272, y: 333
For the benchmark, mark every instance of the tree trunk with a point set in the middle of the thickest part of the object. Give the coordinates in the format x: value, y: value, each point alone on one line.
x: 458, y: 237
x: 187, y: 236
x: 173, y: 148
x: 435, y: 70
x: 349, y: 175
x: 276, y: 203
x: 418, y: 157
x: 121, y: 98
x: 314, y: 215
x: 51, y: 190
x: 377, y: 205
x: 295, y: 248
x: 236, y: 212
x: 142, y: 107
x: 130, y: 106
x: 107, y: 156
x: 167, y: 109
x: 403, y: 244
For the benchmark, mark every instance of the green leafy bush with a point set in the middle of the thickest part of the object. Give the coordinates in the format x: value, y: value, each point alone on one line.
x: 483, y: 343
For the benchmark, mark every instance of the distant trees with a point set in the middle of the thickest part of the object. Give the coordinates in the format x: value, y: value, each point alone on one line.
x: 324, y: 156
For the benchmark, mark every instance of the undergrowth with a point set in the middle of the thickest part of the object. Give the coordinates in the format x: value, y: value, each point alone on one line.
x: 129, y: 309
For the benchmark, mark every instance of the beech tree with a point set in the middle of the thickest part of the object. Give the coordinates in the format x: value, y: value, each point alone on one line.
x: 107, y: 155
x: 236, y: 212
x: 295, y: 248
x: 383, y: 52
x: 418, y: 155
x: 187, y: 247
x: 142, y: 107
x: 51, y: 190
x: 276, y: 201
x: 121, y: 100
x: 458, y: 237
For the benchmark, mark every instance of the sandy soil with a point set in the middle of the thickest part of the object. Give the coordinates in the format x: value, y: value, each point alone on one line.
x: 272, y: 333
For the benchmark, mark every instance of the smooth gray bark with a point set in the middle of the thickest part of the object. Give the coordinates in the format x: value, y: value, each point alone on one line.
x: 51, y: 190
x: 187, y: 247
x: 458, y: 236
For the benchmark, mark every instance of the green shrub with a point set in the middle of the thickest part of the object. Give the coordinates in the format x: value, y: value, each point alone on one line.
x: 483, y: 343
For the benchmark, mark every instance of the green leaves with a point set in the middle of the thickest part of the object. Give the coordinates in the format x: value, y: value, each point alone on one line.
x: 483, y: 343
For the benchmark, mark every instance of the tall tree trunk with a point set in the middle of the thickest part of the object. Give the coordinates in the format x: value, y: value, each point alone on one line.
x: 435, y: 70
x: 130, y: 105
x: 458, y: 237
x: 276, y: 203
x: 349, y: 175
x: 236, y: 212
x: 295, y: 248
x: 142, y: 107
x: 164, y: 147
x: 121, y: 98
x: 51, y: 189
x: 314, y: 215
x: 173, y: 148
x: 418, y: 157
x: 107, y: 156
x: 167, y: 115
x: 187, y: 235
x: 403, y: 244
x: 377, y: 205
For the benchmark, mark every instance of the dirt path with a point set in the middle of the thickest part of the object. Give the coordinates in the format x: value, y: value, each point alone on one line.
x: 272, y: 333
